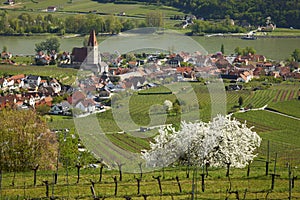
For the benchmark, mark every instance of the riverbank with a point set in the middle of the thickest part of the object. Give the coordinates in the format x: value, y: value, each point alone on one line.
x: 243, y: 34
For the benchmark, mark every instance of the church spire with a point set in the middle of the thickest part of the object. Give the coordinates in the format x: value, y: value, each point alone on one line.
x: 92, y: 39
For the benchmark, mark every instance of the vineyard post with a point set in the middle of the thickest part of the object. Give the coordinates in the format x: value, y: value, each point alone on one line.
x: 116, y: 185
x: 13, y: 180
x: 35, y: 168
x: 57, y: 162
x: 138, y: 184
x: 47, y: 188
x: 248, y: 170
x: 92, y: 182
x: 93, y: 189
x: 206, y: 168
x: 290, y: 182
x: 194, y: 183
x: 159, y: 183
x: 101, y: 171
x: 202, y: 177
x: 268, y: 157
x: 178, y: 183
x: 120, y: 170
x: 78, y: 166
x: 141, y: 170
x: 293, y: 181
x: 274, y: 174
x: 228, y: 169
x: 188, y: 164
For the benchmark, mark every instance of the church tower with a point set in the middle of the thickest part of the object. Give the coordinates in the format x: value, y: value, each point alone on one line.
x: 93, y: 57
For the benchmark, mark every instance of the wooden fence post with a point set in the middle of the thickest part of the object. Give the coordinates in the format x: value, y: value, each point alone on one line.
x: 178, y: 183
x: 159, y: 183
x: 138, y: 184
x: 78, y: 166
x: 35, y: 168
x: 116, y: 185
x: 47, y: 188
x: 268, y: 158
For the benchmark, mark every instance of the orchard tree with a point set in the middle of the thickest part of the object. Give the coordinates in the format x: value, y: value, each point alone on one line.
x: 25, y: 141
x: 223, y: 142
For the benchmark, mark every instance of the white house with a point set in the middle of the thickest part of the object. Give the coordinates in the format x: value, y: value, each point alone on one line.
x: 87, y: 105
x: 31, y: 79
x: 55, y: 86
x: 3, y: 83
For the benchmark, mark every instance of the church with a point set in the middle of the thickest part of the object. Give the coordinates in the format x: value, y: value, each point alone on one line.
x: 88, y: 58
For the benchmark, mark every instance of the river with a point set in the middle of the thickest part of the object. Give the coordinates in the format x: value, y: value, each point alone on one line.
x: 272, y: 48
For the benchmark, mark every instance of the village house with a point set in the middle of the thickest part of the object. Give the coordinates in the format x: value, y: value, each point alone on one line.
x: 42, y: 59
x: 33, y: 80
x: 55, y: 86
x: 6, y: 55
x: 86, y: 105
x: 17, y: 81
x: 3, y: 83
x: 62, y: 108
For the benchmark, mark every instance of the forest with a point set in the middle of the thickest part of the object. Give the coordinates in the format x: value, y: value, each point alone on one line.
x: 284, y: 13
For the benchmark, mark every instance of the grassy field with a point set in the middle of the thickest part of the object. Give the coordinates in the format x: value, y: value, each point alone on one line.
x: 133, y: 10
x: 284, y: 32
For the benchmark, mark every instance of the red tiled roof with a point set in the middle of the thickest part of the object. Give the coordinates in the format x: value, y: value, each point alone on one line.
x: 183, y: 69
x: 17, y: 77
x: 77, y: 96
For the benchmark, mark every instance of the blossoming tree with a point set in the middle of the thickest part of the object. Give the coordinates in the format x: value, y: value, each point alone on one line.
x: 221, y: 142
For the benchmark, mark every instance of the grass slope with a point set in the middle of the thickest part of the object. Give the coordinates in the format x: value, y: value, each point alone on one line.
x: 64, y: 75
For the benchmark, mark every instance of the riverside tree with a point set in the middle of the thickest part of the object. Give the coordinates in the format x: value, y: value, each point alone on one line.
x: 49, y: 45
x: 222, y: 142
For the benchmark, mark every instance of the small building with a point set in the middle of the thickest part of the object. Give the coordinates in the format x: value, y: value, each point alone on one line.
x: 51, y: 9
x: 10, y: 2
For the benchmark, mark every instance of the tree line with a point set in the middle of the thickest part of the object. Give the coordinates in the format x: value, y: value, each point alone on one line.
x: 285, y: 13
x: 80, y: 24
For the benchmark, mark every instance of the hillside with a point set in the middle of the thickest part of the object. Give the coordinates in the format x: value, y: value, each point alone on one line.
x: 284, y: 13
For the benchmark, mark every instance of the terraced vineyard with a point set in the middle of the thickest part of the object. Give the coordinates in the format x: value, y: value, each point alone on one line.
x: 281, y: 131
x: 277, y: 93
x: 130, y: 143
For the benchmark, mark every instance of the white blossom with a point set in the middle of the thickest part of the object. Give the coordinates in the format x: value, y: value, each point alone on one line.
x: 218, y: 143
